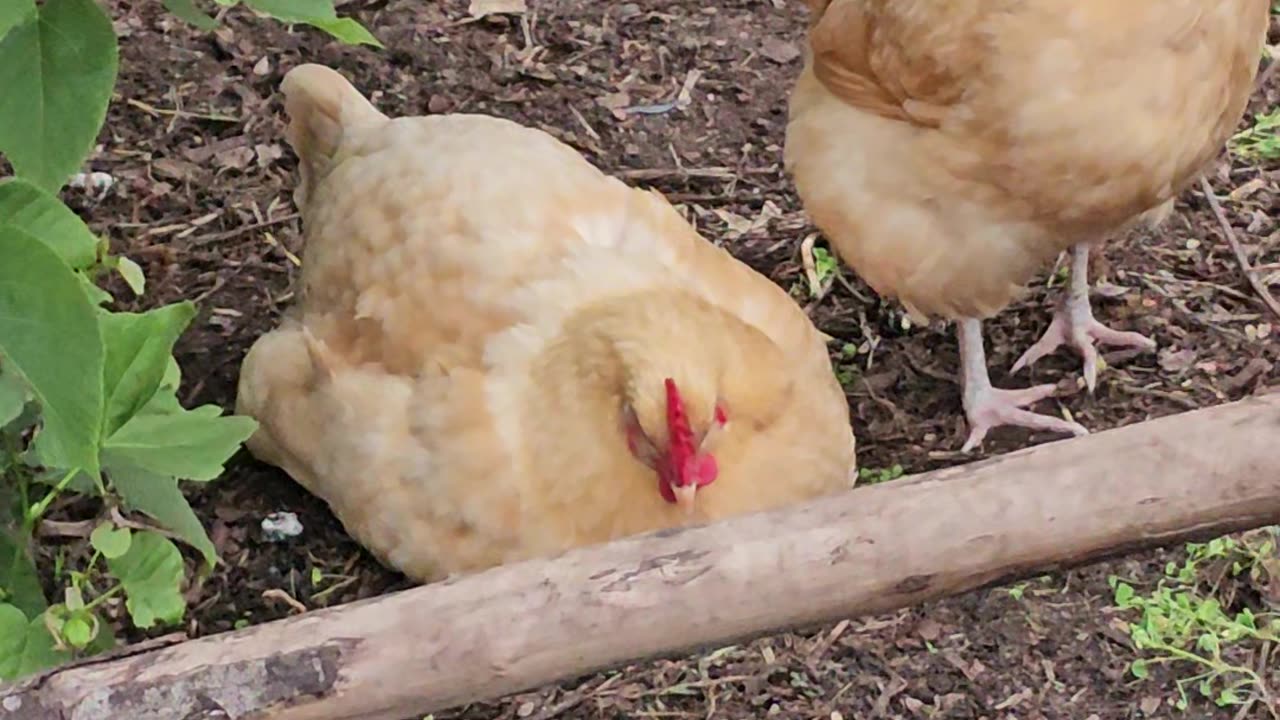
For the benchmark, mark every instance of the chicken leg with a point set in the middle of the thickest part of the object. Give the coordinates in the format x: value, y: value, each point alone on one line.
x: 987, y: 407
x: 1073, y: 324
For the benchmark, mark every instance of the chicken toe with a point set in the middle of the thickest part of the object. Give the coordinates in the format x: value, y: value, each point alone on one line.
x: 987, y: 407
x: 1074, y: 325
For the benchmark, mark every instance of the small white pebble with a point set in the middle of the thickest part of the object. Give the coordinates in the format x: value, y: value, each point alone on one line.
x: 281, y: 525
x: 96, y: 183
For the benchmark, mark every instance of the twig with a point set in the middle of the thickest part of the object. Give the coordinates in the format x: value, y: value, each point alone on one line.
x: 199, y: 240
x: 810, y: 265
x: 1263, y: 293
x: 286, y: 598
x: 60, y: 529
x: 573, y: 699
x: 709, y: 172
x: 121, y: 521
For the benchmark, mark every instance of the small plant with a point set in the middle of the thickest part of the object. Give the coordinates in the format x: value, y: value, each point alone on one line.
x: 872, y: 476
x: 825, y: 267
x: 1184, y: 624
x: 88, y: 396
x: 1262, y: 141
x: 846, y: 365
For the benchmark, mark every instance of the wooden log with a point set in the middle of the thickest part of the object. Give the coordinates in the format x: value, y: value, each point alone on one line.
x: 871, y: 550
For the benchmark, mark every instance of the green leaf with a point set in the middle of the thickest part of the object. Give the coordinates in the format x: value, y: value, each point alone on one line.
x: 319, y: 14
x: 13, y: 634
x: 1139, y: 669
x: 139, y: 347
x: 28, y: 207
x: 1124, y: 594
x: 14, y: 12
x: 151, y: 573
x: 1208, y: 642
x: 111, y: 541
x: 57, y: 71
x: 1245, y: 618
x: 78, y: 630
x: 13, y: 396
x: 191, y: 444
x: 49, y: 334
x: 347, y: 30
x: 25, y: 645
x: 159, y: 497
x: 132, y: 275
x: 187, y: 11
x: 18, y: 575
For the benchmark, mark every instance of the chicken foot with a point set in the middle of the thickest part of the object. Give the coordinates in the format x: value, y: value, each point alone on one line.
x: 987, y: 407
x: 1073, y: 324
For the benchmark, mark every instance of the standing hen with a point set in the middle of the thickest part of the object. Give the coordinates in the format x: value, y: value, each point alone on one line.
x: 499, y: 352
x: 949, y: 150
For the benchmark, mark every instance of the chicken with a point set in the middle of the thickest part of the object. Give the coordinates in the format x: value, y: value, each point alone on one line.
x: 948, y: 151
x: 499, y: 352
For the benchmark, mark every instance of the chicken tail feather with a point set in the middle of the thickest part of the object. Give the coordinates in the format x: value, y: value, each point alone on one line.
x: 322, y: 106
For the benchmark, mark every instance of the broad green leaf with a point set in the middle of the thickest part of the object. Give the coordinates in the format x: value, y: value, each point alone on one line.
x: 192, y: 444
x: 13, y: 396
x: 347, y: 30
x: 82, y: 483
x: 26, y: 206
x: 111, y: 541
x: 159, y: 497
x: 151, y: 573
x: 57, y: 71
x: 139, y: 347
x: 13, y: 12
x: 13, y: 640
x: 25, y: 645
x: 18, y: 575
x: 1139, y: 669
x: 187, y: 11
x: 319, y: 14
x: 132, y: 275
x: 49, y: 334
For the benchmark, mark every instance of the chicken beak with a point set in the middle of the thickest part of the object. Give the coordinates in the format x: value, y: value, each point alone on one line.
x: 685, y: 497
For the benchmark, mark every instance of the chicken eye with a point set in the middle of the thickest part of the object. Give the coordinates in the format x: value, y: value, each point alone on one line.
x: 637, y: 441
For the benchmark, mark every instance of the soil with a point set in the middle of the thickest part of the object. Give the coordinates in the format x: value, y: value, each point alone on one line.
x: 202, y: 201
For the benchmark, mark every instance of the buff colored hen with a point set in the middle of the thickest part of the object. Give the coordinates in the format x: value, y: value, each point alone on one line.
x: 499, y: 352
x: 950, y: 150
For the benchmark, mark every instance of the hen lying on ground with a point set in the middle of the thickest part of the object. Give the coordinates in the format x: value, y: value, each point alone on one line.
x: 950, y: 150
x: 499, y: 352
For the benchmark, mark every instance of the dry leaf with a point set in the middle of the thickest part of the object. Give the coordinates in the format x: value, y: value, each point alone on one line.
x: 779, y: 50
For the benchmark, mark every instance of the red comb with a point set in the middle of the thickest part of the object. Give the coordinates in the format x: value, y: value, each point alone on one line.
x: 678, y: 430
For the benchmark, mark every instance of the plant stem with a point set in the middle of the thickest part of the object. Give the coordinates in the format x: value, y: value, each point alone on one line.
x: 98, y: 600
x: 36, y: 511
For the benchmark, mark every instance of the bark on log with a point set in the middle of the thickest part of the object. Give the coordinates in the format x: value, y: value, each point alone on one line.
x: 871, y: 550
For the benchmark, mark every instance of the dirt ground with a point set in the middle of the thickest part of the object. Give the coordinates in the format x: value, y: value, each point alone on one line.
x: 691, y: 99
